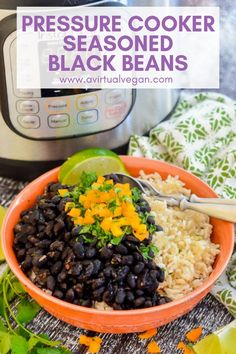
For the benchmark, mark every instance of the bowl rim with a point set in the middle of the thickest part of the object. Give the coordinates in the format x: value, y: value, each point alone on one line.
x: 9, y: 253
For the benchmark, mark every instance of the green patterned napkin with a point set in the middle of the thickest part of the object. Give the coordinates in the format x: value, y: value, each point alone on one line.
x: 200, y: 136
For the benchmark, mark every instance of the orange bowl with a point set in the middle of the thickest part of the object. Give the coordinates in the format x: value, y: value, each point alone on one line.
x: 119, y: 321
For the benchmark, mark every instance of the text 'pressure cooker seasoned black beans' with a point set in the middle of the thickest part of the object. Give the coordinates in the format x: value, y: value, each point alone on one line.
x: 75, y: 267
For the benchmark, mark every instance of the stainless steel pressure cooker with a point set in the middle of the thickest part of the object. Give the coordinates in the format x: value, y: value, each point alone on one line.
x: 41, y: 128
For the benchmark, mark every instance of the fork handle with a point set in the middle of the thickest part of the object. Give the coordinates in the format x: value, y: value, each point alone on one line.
x: 223, y: 212
x: 217, y: 201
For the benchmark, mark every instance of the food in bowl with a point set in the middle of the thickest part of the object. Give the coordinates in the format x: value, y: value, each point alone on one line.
x: 94, y: 244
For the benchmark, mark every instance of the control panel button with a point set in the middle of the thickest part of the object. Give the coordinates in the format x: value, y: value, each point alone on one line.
x: 27, y: 93
x: 29, y: 122
x: 57, y: 105
x: 116, y: 112
x: 87, y: 102
x: 27, y: 106
x: 114, y: 96
x: 58, y: 120
x: 87, y: 117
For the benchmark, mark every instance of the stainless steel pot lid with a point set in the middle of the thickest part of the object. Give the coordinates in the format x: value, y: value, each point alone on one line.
x: 12, y: 5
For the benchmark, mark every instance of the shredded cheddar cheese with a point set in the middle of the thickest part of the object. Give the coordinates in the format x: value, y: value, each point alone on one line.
x: 148, y: 334
x: 93, y: 343
x: 194, y: 334
x: 153, y: 347
x: 110, y: 203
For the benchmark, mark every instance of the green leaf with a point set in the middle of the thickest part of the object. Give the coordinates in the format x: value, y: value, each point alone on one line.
x: 26, y: 311
x: 19, y: 345
x: 32, y: 343
x: 3, y: 328
x: 5, y: 342
x: 116, y: 240
x: 48, y: 350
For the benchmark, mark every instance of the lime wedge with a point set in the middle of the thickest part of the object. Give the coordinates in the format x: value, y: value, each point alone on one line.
x: 208, y: 345
x: 101, y: 161
x: 2, y: 214
x: 222, y: 341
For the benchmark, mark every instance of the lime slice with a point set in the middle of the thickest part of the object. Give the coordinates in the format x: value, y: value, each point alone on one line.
x: 2, y: 214
x: 101, y: 161
x: 210, y: 345
x: 221, y: 342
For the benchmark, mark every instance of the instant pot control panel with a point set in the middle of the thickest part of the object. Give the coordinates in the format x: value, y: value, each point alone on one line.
x: 56, y: 114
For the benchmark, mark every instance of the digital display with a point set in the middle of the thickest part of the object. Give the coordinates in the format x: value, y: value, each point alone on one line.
x: 64, y: 92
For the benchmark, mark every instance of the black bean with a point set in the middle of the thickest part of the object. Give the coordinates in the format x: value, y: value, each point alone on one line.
x: 51, y: 282
x: 159, y: 228
x: 21, y: 254
x: 56, y: 267
x: 130, y: 245
x: 28, y: 245
x: 49, y: 227
x: 109, y: 295
x: 161, y: 275
x: 151, y: 220
x: 137, y: 256
x: 121, y: 249
x: 139, y: 301
x: 148, y: 303
x: 70, y: 295
x: 120, y: 296
x: 27, y: 263
x: 132, y: 239
x: 90, y: 252
x: 127, y: 260
x: 139, y: 267
x: 96, y: 266
x: 61, y: 276
x: 58, y: 293
x: 49, y: 214
x: 122, y: 273
x: 79, y: 288
x: 117, y: 307
x: 76, y: 231
x: 106, y: 253
x: 131, y: 280
x: 76, y: 269
x: 97, y: 283
x: 32, y: 239
x: 88, y: 270
x: 116, y: 259
x: 67, y: 236
x: 78, y: 249
x: 130, y: 296
x: 56, y: 199
x: 42, y: 276
x: 97, y: 294
x: 86, y: 303
x: 108, y: 271
x: 151, y: 265
x: 63, y: 286
x: 54, y: 255
x: 59, y: 225
x: 40, y: 261
x: 43, y: 243
x: 57, y: 246
x: 139, y: 292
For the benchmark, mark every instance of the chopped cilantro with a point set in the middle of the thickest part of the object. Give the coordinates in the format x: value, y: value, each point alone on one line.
x: 87, y: 179
x: 116, y: 240
x: 136, y: 194
x: 145, y: 250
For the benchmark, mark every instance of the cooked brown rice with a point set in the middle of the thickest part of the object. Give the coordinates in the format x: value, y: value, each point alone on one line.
x: 185, y: 248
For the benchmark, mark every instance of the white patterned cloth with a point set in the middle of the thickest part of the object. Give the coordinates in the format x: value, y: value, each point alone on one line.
x: 200, y: 136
